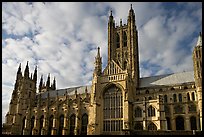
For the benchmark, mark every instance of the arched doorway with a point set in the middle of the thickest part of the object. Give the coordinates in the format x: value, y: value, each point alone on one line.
x: 179, y: 123
x: 112, y: 110
x: 193, y: 123
x: 152, y: 126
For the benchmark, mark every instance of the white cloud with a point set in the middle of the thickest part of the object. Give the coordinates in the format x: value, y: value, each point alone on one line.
x: 62, y: 39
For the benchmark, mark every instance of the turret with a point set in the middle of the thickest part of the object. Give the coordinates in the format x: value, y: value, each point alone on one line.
x: 41, y: 83
x: 111, y: 27
x: 26, y: 72
x: 98, y: 63
x: 197, y: 64
x: 54, y: 84
x: 197, y: 61
x: 48, y: 82
x: 35, y: 75
x: 18, y: 77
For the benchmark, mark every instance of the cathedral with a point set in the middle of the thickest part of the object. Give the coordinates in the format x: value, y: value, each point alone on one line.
x: 118, y: 102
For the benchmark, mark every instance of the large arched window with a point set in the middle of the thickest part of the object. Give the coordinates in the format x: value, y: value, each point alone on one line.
x: 113, y: 109
x: 138, y: 112
x: 124, y: 39
x: 117, y: 41
x: 138, y: 126
x: 174, y: 98
x: 23, y: 125
x: 84, y: 124
x: 50, y: 124
x: 193, y: 123
x: 165, y: 99
x: 193, y: 96
x: 32, y: 124
x: 72, y: 124
x: 179, y: 123
x: 61, y: 124
x: 188, y: 97
x: 180, y: 97
x: 151, y: 111
x: 152, y: 126
x: 41, y: 124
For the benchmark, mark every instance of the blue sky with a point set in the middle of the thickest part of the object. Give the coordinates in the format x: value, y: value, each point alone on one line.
x: 62, y: 39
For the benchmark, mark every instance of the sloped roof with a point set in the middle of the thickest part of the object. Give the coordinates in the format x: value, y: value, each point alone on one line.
x: 70, y: 91
x: 168, y: 79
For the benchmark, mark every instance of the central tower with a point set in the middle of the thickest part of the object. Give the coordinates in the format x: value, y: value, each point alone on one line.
x: 123, y: 45
x: 112, y: 94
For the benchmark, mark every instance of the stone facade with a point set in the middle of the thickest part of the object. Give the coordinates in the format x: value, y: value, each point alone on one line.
x: 117, y: 102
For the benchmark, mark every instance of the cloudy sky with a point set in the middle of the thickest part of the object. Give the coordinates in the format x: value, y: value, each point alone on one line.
x: 62, y: 39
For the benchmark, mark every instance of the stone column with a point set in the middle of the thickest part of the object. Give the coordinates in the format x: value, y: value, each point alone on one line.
x: 54, y: 129
x: 65, y: 128
x: 187, y: 123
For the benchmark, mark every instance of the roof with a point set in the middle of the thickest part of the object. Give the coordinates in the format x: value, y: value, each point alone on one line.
x: 70, y: 91
x: 168, y: 79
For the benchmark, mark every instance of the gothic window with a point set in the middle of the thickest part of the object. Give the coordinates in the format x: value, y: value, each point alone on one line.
x: 174, y: 97
x: 192, y: 108
x: 165, y: 98
x: 138, y: 126
x: 124, y: 39
x: 193, y: 96
x: 41, y: 124
x: 125, y: 65
x: 23, y: 125
x: 178, y: 109
x: 188, y: 97
x: 168, y: 123
x: 180, y: 97
x: 113, y: 110
x: 117, y: 41
x: 50, y: 124
x: 152, y: 126
x: 61, y: 124
x: 138, y: 112
x: 151, y: 111
x: 166, y: 109
x: 172, y: 88
x: 147, y: 91
x: 32, y: 124
x: 185, y: 87
x: 72, y: 124
x: 193, y: 123
x: 179, y: 123
x: 84, y: 124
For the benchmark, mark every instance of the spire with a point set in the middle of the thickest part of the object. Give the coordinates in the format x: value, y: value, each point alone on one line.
x: 111, y: 17
x: 41, y: 83
x: 26, y: 72
x: 35, y: 75
x: 131, y: 11
x: 98, y: 63
x: 19, y: 69
x: 199, y: 42
x: 120, y: 22
x: 54, y: 84
x: 48, y: 81
x: 98, y: 53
